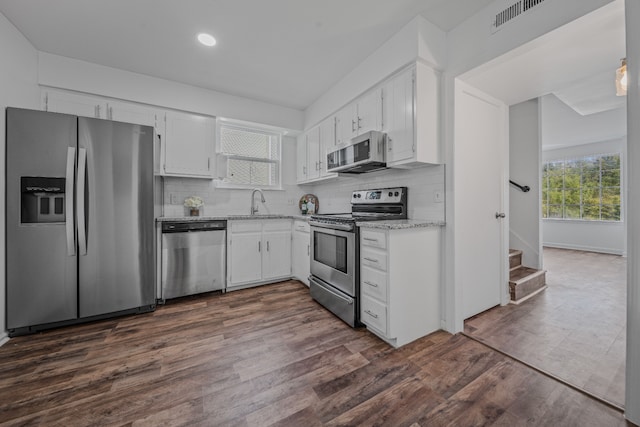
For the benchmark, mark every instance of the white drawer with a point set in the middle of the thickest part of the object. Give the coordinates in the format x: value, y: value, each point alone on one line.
x: 373, y: 258
x: 373, y: 314
x: 245, y: 225
x: 302, y: 226
x: 373, y: 283
x: 373, y: 238
x: 276, y: 225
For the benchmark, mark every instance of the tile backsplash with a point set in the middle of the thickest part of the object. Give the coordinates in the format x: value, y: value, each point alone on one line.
x: 334, y: 195
x: 222, y: 201
x: 423, y: 184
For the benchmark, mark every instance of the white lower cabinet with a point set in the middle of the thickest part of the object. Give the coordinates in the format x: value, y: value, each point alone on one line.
x: 258, y: 251
x: 301, y: 252
x: 400, y: 282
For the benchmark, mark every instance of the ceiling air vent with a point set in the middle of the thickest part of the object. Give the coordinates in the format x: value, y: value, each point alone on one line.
x: 513, y: 11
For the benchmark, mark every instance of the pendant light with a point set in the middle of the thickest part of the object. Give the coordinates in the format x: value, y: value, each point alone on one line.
x: 621, y: 78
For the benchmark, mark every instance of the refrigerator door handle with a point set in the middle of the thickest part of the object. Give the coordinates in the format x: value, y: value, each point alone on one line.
x: 82, y: 226
x: 68, y: 197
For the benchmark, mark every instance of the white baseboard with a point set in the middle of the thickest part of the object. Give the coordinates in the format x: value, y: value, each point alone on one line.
x: 583, y: 248
x: 4, y: 338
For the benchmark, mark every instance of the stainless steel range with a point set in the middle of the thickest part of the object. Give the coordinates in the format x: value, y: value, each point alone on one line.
x: 335, y: 248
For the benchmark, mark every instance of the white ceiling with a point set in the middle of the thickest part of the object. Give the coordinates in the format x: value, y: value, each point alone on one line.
x: 576, y: 62
x: 286, y: 52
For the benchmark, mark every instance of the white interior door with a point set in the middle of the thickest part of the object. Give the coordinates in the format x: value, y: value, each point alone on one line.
x: 481, y: 173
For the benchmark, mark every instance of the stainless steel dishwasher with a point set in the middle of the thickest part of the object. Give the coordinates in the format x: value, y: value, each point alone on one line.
x: 193, y: 257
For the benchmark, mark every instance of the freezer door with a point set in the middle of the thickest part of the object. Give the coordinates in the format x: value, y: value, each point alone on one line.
x: 115, y: 216
x: 40, y: 245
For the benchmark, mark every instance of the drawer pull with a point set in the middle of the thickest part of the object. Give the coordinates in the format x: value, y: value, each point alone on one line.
x: 369, y: 239
x: 375, y: 316
x: 375, y: 285
x: 371, y: 259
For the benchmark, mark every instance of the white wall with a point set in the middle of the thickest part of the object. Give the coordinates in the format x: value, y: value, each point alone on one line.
x: 18, y: 88
x: 632, y: 403
x: 66, y: 73
x: 418, y: 39
x: 562, y: 126
x: 524, y: 167
x: 221, y: 201
x: 335, y: 195
x: 592, y: 236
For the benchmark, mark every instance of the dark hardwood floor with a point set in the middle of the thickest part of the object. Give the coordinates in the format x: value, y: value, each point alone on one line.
x: 270, y: 356
x: 575, y: 329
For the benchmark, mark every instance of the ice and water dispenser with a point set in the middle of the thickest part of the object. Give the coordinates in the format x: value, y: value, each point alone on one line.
x: 42, y: 199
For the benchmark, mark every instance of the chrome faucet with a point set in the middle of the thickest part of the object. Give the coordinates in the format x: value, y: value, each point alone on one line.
x: 254, y: 208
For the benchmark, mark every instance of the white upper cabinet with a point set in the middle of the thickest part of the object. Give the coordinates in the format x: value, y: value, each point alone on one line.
x: 312, y: 152
x: 135, y: 113
x: 327, y: 142
x: 346, y: 123
x: 184, y: 143
x: 189, y: 145
x: 73, y: 103
x: 411, y: 117
x: 301, y: 159
x: 361, y: 116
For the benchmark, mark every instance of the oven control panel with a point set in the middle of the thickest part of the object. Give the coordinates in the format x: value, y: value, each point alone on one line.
x: 382, y: 195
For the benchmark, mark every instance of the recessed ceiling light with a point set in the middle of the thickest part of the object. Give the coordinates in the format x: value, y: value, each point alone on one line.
x: 206, y: 39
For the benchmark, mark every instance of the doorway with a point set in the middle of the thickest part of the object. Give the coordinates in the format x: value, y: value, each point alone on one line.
x: 567, y: 344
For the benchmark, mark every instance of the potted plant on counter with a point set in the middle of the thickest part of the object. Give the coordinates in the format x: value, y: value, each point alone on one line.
x: 193, y: 203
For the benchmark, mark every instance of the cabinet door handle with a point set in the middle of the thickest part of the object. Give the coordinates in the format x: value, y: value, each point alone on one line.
x: 308, y: 250
x: 259, y: 246
x: 267, y: 246
x: 389, y: 142
x: 369, y: 239
x: 371, y: 259
x: 353, y: 125
x: 304, y: 170
x: 375, y: 285
x: 375, y: 316
x: 359, y: 120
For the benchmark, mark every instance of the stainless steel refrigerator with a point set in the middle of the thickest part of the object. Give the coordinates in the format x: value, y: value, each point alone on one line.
x: 79, y: 219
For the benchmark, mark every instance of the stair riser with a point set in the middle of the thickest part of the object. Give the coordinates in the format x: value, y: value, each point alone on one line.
x: 526, y: 287
x: 515, y: 261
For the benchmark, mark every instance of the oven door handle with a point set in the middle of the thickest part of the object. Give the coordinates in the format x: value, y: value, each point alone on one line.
x: 331, y: 291
x: 344, y: 227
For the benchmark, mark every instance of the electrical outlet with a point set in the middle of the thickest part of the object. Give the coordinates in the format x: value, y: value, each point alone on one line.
x: 291, y: 202
x: 173, y: 199
x: 438, y: 197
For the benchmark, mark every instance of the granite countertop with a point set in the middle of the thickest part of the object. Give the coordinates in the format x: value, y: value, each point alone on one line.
x: 230, y: 217
x: 397, y: 224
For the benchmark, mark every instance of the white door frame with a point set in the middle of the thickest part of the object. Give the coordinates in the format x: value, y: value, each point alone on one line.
x: 502, y: 149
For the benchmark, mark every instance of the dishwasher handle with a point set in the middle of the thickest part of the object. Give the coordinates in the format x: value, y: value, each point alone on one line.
x: 193, y: 226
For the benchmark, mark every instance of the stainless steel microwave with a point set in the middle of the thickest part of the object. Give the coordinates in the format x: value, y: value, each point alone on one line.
x: 364, y: 153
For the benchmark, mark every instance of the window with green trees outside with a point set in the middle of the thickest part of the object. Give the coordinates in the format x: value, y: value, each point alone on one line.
x: 584, y: 188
